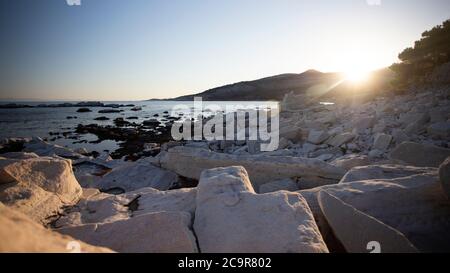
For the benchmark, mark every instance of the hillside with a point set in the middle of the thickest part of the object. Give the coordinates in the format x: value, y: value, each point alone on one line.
x: 310, y: 82
x: 269, y: 88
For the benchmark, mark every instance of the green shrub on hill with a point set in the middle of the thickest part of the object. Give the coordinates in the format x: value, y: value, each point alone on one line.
x: 418, y: 62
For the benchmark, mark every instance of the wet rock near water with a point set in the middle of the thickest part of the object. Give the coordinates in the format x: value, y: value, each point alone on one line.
x: 109, y: 111
x: 83, y: 110
x: 101, y: 118
x: 131, y: 139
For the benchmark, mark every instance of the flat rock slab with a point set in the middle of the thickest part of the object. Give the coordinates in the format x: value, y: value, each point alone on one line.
x: 190, y: 162
x: 350, y: 161
x: 18, y: 233
x: 106, y: 208
x: 382, y: 142
x: 387, y: 171
x: 136, y: 175
x: 42, y: 148
x: 230, y: 217
x: 421, y: 155
x: 414, y: 205
x: 159, y: 232
x: 357, y: 230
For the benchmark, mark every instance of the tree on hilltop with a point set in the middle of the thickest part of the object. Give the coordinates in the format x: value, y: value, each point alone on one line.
x: 418, y: 62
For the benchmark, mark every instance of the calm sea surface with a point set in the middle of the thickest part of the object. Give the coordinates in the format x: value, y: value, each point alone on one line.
x: 29, y: 122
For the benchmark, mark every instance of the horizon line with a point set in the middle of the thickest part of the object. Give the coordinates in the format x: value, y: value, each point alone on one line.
x: 170, y: 98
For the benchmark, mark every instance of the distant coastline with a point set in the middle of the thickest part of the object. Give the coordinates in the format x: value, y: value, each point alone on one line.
x: 13, y: 105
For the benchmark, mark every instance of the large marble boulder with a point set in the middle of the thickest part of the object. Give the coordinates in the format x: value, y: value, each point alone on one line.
x: 158, y: 232
x: 99, y: 207
x: 135, y: 175
x: 38, y: 187
x: 357, y: 231
x: 190, y: 162
x: 422, y: 155
x: 18, y: 233
x: 414, y: 205
x: 42, y: 148
x: 387, y: 171
x: 231, y: 217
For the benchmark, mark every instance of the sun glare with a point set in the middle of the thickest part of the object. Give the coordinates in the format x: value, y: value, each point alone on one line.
x: 357, y: 76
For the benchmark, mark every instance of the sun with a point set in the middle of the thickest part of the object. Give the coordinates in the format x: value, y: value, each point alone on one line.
x: 356, y: 75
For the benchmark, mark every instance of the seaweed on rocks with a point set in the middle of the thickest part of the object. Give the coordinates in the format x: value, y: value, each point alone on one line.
x: 12, y: 146
x: 132, y: 138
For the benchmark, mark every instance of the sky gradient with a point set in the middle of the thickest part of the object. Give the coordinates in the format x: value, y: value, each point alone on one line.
x: 142, y: 49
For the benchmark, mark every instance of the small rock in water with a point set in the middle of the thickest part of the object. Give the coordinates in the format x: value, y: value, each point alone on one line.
x: 83, y: 110
x: 151, y: 122
x: 109, y: 111
x: 120, y: 122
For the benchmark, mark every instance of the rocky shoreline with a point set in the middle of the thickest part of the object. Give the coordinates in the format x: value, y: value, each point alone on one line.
x: 345, y: 175
x: 83, y: 104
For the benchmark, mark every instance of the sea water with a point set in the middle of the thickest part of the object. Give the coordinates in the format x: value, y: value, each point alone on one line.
x: 43, y: 121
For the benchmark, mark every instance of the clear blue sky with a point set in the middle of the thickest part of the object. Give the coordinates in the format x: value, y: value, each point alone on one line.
x: 140, y: 49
